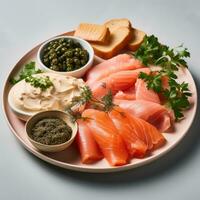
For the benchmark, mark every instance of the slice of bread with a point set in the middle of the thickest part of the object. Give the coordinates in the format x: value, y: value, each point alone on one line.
x: 114, y: 24
x: 119, y: 39
x: 138, y: 37
x: 93, y: 33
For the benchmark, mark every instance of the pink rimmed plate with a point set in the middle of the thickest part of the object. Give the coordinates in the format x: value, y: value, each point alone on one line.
x: 69, y: 158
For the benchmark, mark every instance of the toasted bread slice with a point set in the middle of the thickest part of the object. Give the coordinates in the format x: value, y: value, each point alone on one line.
x: 138, y: 37
x: 118, y: 40
x: 114, y: 24
x: 93, y: 33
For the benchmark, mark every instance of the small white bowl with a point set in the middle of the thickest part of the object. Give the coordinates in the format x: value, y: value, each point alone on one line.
x: 46, y: 114
x: 76, y: 73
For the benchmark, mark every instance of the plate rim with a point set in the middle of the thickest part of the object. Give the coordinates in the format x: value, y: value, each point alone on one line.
x: 84, y: 168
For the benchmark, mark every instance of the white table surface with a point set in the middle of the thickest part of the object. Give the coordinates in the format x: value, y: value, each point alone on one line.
x: 23, y: 24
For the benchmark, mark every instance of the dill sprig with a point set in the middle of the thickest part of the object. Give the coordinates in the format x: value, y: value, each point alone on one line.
x: 107, y: 101
x: 104, y: 104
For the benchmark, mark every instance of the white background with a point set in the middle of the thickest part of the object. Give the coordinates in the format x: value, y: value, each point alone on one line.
x: 23, y: 24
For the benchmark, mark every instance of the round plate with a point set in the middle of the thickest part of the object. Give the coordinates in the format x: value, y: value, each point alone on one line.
x: 69, y: 158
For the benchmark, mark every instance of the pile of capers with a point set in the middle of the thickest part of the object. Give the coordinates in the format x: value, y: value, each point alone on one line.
x: 64, y: 55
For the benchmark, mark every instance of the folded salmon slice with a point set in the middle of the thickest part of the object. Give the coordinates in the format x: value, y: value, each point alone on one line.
x: 135, y: 146
x: 146, y: 132
x: 151, y: 112
x: 107, y: 137
x: 126, y: 94
x: 143, y: 93
x: 122, y: 80
x: 118, y: 63
x: 87, y: 145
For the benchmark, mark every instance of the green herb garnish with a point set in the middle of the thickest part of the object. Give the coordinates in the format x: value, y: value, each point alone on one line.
x: 176, y: 95
x: 29, y: 69
x: 77, y: 101
x: 154, y: 79
x: 74, y: 115
x: 152, y: 52
x: 86, y: 97
x: 107, y: 101
x: 39, y: 82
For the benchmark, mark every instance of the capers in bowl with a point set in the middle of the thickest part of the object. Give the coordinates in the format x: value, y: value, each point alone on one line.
x: 66, y: 55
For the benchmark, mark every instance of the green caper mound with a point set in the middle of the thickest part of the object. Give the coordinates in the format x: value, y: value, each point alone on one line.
x: 64, y: 55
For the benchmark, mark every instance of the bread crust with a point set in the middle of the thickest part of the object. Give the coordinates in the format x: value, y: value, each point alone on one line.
x: 93, y: 33
x: 118, y: 41
x: 112, y: 37
x: 113, y: 24
x: 138, y: 37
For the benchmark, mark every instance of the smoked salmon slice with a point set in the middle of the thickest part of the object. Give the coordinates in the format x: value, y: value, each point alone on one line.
x: 126, y: 94
x: 118, y: 63
x: 87, y: 145
x: 146, y: 132
x: 122, y: 80
x: 154, y: 113
x: 135, y: 146
x: 107, y: 137
x: 143, y: 93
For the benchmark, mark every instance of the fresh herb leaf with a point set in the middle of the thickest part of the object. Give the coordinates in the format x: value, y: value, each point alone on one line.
x: 107, y: 101
x: 149, y: 51
x: 39, y: 82
x: 177, y: 98
x: 153, y: 81
x: 28, y: 70
x: 176, y: 95
x: 86, y: 94
x: 73, y: 115
x: 152, y: 52
x: 86, y: 97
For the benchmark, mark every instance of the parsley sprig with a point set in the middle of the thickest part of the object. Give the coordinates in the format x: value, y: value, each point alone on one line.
x: 177, y: 97
x: 154, y: 79
x: 28, y: 70
x: 152, y: 52
x: 176, y: 94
